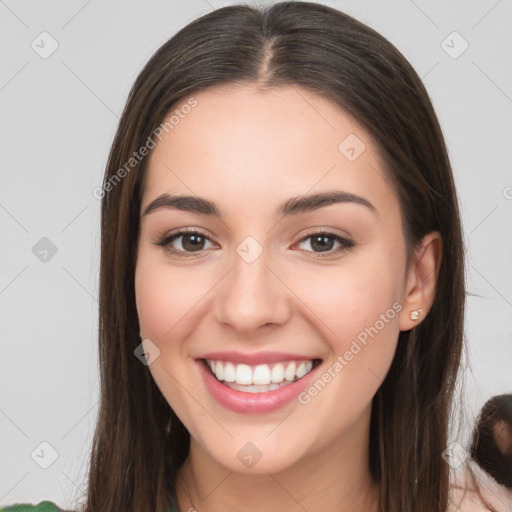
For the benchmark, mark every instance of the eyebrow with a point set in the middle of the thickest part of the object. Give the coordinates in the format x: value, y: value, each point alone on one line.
x: 292, y: 206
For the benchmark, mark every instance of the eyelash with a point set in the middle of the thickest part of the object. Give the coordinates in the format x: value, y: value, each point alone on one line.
x: 166, y: 240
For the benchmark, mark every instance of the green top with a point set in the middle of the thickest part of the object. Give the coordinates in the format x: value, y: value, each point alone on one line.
x: 44, y: 506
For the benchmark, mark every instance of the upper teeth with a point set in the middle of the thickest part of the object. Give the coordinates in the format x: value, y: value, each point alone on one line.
x: 261, y: 374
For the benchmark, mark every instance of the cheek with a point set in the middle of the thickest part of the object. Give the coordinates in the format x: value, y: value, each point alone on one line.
x: 356, y: 306
x: 362, y: 334
x: 350, y: 298
x: 165, y: 297
x: 164, y: 303
x: 164, y: 306
x: 154, y: 304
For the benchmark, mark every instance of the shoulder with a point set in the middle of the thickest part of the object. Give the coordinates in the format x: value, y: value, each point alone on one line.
x: 463, y: 500
x: 43, y: 506
x: 465, y: 496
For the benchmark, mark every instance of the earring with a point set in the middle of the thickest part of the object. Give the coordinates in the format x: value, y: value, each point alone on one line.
x: 415, y: 314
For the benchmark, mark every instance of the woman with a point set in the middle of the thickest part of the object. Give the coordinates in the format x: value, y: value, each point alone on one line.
x: 304, y: 358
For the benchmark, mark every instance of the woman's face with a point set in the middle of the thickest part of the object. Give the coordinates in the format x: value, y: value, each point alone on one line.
x: 265, y: 291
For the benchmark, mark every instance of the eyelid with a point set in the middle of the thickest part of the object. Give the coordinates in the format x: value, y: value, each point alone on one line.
x: 323, y: 231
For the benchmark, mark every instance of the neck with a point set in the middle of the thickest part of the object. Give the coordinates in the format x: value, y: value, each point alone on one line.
x: 335, y: 478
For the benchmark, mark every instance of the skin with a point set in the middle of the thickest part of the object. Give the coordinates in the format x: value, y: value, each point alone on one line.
x: 248, y: 150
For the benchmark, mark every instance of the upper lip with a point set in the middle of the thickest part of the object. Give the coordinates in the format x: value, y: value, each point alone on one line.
x: 255, y: 358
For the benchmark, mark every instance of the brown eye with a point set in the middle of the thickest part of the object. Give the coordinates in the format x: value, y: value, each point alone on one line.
x: 192, y: 242
x: 325, y: 242
x: 184, y: 243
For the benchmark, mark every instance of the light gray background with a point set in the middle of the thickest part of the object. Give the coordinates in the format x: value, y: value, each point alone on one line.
x: 59, y: 116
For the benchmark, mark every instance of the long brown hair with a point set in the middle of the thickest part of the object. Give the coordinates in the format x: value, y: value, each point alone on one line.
x: 139, y: 443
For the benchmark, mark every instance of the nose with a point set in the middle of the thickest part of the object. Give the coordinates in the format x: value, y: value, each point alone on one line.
x: 251, y: 296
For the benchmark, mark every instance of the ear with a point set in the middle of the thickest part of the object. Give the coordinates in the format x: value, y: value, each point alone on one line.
x: 421, y: 280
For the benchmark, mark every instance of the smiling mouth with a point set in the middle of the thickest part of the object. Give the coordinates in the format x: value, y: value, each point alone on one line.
x: 260, y: 378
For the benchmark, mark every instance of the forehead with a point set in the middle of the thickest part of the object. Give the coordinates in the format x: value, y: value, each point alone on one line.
x: 262, y: 146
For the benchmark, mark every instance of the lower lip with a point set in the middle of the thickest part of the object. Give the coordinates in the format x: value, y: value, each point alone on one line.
x: 254, y: 403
